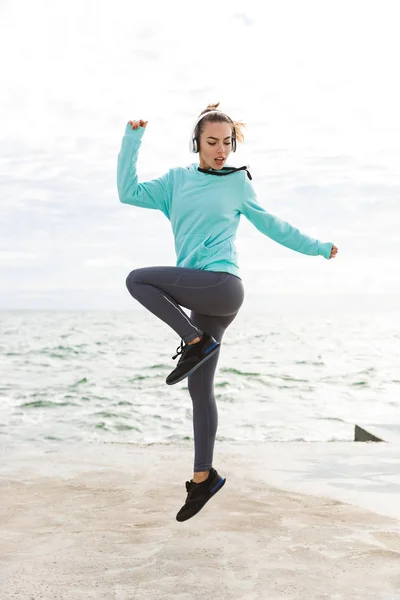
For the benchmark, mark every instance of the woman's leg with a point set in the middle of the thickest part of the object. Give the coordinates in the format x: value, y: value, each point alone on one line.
x: 214, y: 299
x: 163, y: 290
x: 201, y: 389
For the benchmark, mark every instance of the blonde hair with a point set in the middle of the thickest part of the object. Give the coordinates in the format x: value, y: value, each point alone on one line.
x: 215, y: 118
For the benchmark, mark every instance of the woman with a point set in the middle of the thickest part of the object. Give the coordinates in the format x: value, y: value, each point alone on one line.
x: 203, y: 203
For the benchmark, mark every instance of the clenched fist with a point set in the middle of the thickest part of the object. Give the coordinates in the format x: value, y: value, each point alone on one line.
x: 334, y: 251
x: 136, y: 124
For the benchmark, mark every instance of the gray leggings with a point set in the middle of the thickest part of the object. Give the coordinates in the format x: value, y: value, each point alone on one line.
x: 214, y: 299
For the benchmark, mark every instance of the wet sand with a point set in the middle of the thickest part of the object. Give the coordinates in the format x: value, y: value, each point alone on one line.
x: 292, y: 521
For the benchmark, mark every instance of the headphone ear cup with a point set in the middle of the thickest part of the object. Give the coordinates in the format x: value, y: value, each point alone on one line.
x: 195, y: 145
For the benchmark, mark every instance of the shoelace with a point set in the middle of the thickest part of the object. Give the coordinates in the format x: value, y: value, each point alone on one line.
x: 180, y: 349
x: 190, y: 485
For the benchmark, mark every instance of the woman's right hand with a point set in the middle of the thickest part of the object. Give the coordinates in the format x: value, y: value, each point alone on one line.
x: 136, y: 124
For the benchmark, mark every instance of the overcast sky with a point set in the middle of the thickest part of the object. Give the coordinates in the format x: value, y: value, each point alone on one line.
x: 315, y: 81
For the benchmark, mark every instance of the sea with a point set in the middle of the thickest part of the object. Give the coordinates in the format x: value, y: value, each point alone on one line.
x: 283, y: 375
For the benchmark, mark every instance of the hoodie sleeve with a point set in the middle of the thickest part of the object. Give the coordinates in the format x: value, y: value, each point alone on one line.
x: 278, y: 230
x: 155, y: 194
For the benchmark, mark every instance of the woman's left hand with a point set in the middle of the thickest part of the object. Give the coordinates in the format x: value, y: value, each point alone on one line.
x: 334, y: 251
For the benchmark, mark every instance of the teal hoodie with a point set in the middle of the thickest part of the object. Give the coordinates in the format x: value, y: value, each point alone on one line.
x: 205, y: 210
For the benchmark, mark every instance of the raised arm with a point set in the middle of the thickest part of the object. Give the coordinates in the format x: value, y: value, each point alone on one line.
x: 281, y: 231
x: 155, y: 194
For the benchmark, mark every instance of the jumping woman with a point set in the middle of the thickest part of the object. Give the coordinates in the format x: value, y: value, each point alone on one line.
x: 203, y: 202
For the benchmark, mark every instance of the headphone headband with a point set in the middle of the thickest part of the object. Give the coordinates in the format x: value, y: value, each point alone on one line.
x: 193, y: 146
x: 210, y: 112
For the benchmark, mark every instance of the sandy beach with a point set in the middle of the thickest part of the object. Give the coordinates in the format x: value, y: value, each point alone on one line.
x: 293, y: 521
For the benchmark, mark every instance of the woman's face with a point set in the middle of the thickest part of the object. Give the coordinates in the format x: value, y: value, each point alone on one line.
x: 215, y: 145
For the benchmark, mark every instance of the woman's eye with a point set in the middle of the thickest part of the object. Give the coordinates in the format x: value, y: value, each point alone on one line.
x: 215, y: 143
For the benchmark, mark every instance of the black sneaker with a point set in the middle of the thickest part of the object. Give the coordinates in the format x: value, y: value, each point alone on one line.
x: 192, y: 356
x: 199, y: 494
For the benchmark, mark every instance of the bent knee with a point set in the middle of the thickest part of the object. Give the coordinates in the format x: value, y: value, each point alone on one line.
x: 133, y: 279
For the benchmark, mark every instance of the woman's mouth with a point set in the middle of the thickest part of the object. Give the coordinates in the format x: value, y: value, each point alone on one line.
x: 219, y: 161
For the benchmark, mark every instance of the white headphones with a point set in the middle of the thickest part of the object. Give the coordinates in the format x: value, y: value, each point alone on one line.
x: 194, y: 141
